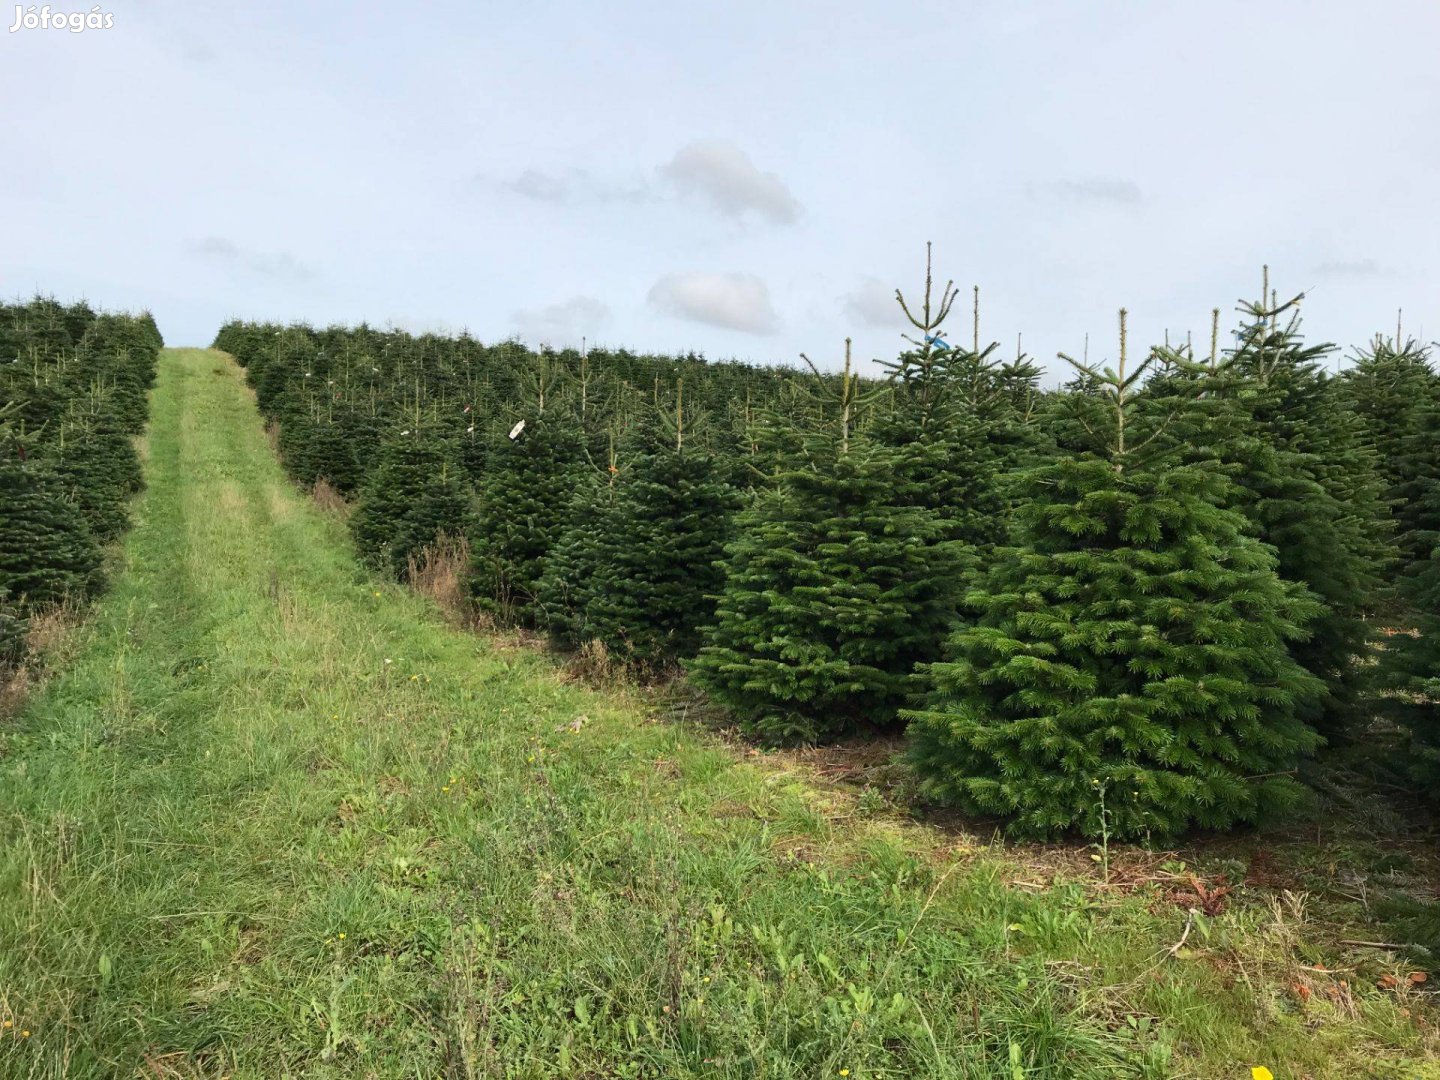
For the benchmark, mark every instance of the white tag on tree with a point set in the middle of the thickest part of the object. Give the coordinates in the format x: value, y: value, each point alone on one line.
x: 516, y: 430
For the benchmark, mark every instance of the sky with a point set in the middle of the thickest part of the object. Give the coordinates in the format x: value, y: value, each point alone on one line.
x: 746, y: 180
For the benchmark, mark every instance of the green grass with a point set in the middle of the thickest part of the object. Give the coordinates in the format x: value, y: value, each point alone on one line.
x: 275, y: 818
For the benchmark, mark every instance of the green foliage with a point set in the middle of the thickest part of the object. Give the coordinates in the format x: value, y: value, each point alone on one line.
x: 47, y: 552
x: 1127, y: 671
x: 834, y: 590
x: 413, y: 497
x: 529, y: 485
x: 570, y: 581
x: 639, y: 566
x: 1268, y: 415
x: 1410, y: 662
x: 1394, y: 390
x: 73, y: 387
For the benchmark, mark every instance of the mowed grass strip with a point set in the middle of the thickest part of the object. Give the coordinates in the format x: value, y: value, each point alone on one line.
x: 277, y: 820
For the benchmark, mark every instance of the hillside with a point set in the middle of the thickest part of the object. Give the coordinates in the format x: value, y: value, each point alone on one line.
x: 274, y: 817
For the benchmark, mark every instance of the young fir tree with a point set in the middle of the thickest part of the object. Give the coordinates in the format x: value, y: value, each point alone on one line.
x: 833, y: 590
x: 95, y: 463
x: 1396, y: 392
x: 1127, y: 670
x: 47, y: 552
x: 413, y: 497
x: 529, y: 482
x: 657, y: 568
x: 569, y: 581
x: 1410, y: 661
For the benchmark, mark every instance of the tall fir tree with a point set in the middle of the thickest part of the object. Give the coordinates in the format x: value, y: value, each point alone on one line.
x: 571, y: 577
x: 834, y: 591
x: 1127, y: 669
x: 1267, y: 414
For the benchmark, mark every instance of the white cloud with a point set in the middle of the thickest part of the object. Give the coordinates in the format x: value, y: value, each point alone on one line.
x: 561, y: 325
x: 1097, y: 189
x: 873, y: 303
x: 275, y: 264
x: 572, y: 186
x: 734, y: 301
x: 723, y: 174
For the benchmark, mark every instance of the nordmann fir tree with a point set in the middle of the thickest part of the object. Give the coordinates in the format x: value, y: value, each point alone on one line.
x: 1266, y: 414
x: 1410, y: 660
x: 47, y: 552
x: 1127, y: 670
x: 658, y: 570
x: 529, y: 482
x: 414, y: 499
x: 571, y: 575
x: 944, y: 459
x: 1395, y: 390
x: 1334, y: 541
x: 833, y: 589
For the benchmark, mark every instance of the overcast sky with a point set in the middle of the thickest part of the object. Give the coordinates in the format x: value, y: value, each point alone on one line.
x: 743, y: 179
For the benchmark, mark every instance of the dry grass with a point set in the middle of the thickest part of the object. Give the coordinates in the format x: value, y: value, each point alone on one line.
x: 46, y: 638
x: 441, y: 572
x: 329, y: 499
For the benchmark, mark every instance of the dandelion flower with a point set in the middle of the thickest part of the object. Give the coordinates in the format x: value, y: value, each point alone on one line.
x: 414, y: 677
x: 1260, y: 1072
x: 9, y: 1023
x: 844, y: 1072
x: 25, y: 1034
x: 444, y: 791
x: 342, y: 937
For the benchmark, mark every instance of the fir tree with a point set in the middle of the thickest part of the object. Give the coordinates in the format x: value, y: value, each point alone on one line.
x: 1127, y: 669
x: 1410, y: 661
x: 944, y: 458
x: 47, y: 552
x: 528, y: 486
x: 570, y: 579
x: 1397, y: 393
x: 833, y: 591
x: 415, y: 496
x: 656, y: 566
x: 96, y: 464
x: 1268, y: 416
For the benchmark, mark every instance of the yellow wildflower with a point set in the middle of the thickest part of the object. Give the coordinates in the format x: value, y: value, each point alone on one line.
x: 1260, y: 1072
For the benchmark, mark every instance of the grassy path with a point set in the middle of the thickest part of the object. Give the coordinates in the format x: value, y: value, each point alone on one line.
x: 275, y: 819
